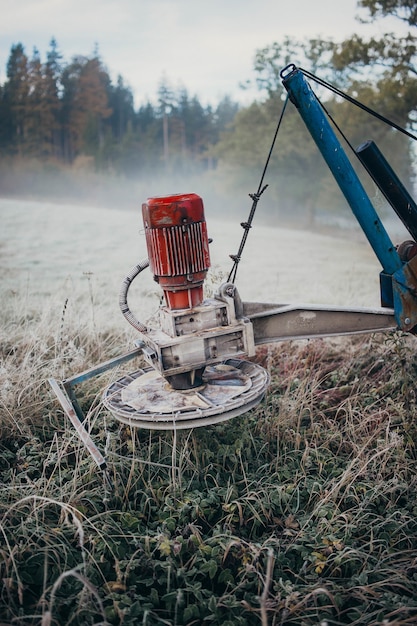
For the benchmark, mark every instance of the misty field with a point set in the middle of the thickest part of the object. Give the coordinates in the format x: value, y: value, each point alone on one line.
x: 55, y: 252
x: 301, y: 512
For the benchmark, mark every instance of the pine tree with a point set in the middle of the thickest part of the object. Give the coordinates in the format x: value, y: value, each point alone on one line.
x: 52, y: 88
x: 120, y: 100
x: 35, y: 122
x: 85, y: 106
x: 16, y: 96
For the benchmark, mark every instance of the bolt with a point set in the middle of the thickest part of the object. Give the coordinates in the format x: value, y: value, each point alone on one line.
x: 407, y: 321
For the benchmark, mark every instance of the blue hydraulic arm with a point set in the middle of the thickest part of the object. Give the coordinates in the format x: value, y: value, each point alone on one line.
x: 316, y: 121
x: 398, y: 279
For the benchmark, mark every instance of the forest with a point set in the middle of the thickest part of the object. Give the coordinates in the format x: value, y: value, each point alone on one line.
x: 64, y: 125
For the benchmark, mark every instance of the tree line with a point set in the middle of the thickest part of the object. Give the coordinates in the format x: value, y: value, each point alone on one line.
x: 57, y: 110
x: 379, y: 72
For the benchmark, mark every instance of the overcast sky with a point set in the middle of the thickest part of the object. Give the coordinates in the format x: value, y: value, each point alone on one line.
x: 206, y: 46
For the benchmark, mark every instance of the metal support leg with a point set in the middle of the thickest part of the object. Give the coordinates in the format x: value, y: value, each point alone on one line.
x: 68, y: 400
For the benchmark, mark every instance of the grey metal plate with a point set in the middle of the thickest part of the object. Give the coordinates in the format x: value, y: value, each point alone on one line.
x: 144, y: 399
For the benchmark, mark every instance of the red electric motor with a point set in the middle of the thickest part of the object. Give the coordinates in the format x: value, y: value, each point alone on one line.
x: 178, y: 247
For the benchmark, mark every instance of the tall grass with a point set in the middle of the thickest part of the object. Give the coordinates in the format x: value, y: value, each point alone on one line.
x: 300, y: 512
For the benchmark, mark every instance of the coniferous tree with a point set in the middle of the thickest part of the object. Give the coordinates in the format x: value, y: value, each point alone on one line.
x: 38, y: 120
x: 52, y: 88
x: 166, y: 106
x: 85, y: 105
x: 148, y: 134
x: 7, y: 129
x: 196, y: 124
x: 16, y: 95
x: 62, y: 110
x: 120, y: 99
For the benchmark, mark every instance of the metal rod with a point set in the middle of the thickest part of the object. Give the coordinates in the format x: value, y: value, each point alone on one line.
x: 319, y: 127
x: 78, y: 425
x: 69, y: 383
x: 272, y: 322
x: 103, y: 367
x: 388, y: 182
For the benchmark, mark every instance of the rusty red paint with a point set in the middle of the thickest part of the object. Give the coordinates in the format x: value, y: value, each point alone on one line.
x: 178, y: 248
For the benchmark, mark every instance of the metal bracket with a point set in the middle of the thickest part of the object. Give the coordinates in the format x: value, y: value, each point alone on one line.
x: 274, y: 322
x: 65, y: 394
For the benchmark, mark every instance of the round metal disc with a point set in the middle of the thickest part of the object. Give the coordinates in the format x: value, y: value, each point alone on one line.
x: 146, y: 400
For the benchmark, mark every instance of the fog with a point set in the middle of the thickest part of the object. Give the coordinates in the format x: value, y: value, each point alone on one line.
x: 56, y: 255
x: 69, y: 237
x: 81, y: 185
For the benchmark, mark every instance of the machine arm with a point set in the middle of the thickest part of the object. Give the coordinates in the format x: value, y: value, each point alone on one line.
x: 319, y: 127
x: 398, y: 278
x: 284, y: 322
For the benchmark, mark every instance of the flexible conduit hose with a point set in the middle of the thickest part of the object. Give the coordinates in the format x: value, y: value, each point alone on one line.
x: 124, y: 307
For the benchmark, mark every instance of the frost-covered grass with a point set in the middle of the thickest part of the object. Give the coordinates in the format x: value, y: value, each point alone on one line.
x: 46, y: 247
x: 52, y: 254
x: 302, y: 512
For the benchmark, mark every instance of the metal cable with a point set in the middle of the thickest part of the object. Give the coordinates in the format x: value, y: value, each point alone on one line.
x: 255, y: 199
x: 360, y: 105
x: 353, y: 101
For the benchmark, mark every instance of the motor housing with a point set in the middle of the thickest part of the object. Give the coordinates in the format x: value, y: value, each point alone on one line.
x: 178, y: 247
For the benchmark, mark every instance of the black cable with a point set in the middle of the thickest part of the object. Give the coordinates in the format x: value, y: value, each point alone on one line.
x: 360, y: 105
x: 255, y: 199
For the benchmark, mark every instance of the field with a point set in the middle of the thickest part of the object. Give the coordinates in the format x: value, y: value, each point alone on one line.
x: 300, y: 512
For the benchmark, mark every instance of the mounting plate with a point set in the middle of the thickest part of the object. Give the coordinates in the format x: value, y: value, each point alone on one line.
x: 145, y: 399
